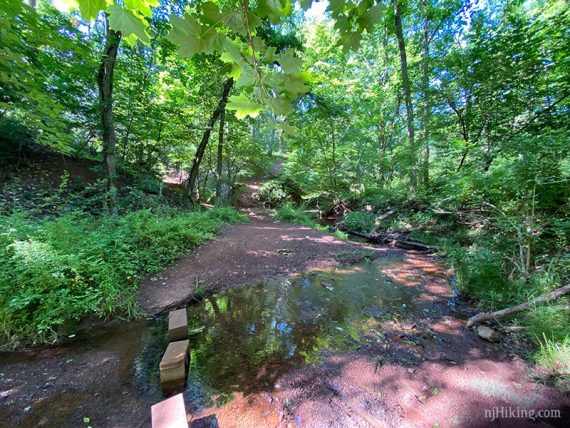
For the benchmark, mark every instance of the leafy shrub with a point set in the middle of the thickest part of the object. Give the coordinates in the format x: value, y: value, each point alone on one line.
x: 278, y: 191
x: 479, y: 274
x: 58, y: 271
x: 359, y: 221
x: 293, y: 214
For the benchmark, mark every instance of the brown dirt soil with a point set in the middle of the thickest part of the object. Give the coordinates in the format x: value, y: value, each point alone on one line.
x: 422, y: 371
x: 425, y: 371
x: 245, y: 253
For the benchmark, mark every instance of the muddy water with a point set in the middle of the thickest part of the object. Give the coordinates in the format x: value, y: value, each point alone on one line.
x: 242, y: 340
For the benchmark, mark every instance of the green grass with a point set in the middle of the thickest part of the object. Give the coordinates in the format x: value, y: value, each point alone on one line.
x: 359, y: 221
x: 290, y: 213
x: 554, y: 357
x: 57, y: 271
x: 293, y: 214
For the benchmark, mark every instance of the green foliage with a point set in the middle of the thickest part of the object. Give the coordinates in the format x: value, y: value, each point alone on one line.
x: 290, y: 213
x: 230, y: 34
x: 554, y: 357
x: 480, y: 274
x: 491, y: 138
x: 56, y: 272
x: 359, y: 221
x: 34, y: 95
x: 277, y: 191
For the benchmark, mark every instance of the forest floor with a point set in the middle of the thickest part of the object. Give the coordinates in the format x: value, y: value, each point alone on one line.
x: 423, y: 370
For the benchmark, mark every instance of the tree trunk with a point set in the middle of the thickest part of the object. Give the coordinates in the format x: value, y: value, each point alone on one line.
x: 220, y: 159
x: 105, y: 83
x: 191, y: 184
x: 426, y: 89
x: 406, y: 86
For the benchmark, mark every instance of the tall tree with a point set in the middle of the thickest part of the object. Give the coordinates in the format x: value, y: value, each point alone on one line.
x: 426, y: 91
x: 193, y: 176
x: 407, y: 88
x: 105, y: 83
x: 220, y: 159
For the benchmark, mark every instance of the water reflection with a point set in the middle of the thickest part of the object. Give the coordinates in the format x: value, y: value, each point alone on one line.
x: 247, y: 338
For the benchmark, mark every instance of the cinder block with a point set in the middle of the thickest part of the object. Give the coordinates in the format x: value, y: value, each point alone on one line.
x: 177, y: 325
x: 170, y: 413
x: 173, y: 366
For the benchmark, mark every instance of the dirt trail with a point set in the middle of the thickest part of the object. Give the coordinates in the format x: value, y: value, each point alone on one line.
x: 248, y: 252
x: 420, y: 371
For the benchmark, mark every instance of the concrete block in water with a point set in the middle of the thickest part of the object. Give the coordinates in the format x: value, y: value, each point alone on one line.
x: 173, y: 366
x: 170, y: 413
x: 177, y: 325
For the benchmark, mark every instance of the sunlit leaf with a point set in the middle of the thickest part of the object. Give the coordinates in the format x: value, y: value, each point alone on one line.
x: 127, y: 23
x: 90, y: 8
x: 211, y: 13
x: 243, y: 106
x: 280, y: 105
x: 295, y: 84
x: 289, y: 63
x: 144, y: 7
x: 186, y: 33
x: 234, y: 21
x: 371, y: 17
x: 213, y: 41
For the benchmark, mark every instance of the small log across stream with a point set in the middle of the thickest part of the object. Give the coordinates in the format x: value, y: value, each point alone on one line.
x: 396, y: 239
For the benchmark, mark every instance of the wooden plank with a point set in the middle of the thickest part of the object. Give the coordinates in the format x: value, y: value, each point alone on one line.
x: 170, y: 413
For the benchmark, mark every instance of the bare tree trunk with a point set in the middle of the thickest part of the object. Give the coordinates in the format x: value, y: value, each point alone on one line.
x: 105, y: 83
x: 220, y: 159
x: 406, y: 86
x: 191, y: 184
x: 426, y: 89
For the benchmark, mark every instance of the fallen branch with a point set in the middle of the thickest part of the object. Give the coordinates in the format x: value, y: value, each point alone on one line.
x: 412, y: 245
x: 380, y: 219
x: 394, y: 239
x: 359, y: 234
x: 518, y: 308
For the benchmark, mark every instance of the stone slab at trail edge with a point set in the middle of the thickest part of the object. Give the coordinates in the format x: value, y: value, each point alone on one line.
x: 248, y: 252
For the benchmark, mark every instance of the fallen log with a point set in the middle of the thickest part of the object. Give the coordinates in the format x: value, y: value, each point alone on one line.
x: 392, y: 239
x: 485, y: 316
x: 409, y: 245
x: 359, y: 234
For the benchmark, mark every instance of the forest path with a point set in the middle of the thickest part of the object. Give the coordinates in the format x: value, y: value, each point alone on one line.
x: 411, y: 368
x: 418, y: 368
x: 244, y: 253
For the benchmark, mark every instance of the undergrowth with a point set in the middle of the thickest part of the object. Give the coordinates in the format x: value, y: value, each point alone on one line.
x: 290, y: 213
x: 56, y: 271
